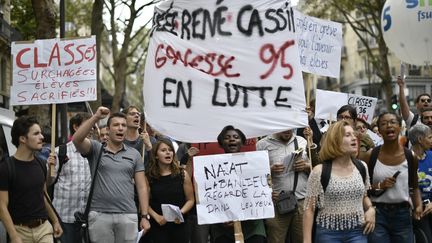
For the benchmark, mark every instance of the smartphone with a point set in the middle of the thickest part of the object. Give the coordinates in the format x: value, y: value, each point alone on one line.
x: 396, y: 174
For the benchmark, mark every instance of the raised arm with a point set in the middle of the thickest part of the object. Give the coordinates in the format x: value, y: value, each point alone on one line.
x: 80, y: 140
x: 404, y: 107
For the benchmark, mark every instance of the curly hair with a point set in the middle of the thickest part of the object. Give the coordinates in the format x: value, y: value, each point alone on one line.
x: 153, y: 170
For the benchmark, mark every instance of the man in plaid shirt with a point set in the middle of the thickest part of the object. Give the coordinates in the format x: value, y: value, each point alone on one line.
x: 73, y: 185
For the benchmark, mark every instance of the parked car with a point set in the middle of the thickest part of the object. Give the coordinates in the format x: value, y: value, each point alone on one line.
x: 7, y: 118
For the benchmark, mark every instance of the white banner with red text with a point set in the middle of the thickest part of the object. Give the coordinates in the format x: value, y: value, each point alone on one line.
x: 53, y: 71
x: 217, y: 63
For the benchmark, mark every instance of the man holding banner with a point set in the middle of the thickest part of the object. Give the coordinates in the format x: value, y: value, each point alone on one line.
x: 289, y: 173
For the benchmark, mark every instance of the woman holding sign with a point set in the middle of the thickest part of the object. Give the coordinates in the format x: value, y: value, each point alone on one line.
x: 171, y: 191
x: 231, y: 140
x: 336, y: 200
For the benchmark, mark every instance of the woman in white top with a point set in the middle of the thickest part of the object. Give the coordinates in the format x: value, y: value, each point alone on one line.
x: 345, y: 213
x: 390, y: 182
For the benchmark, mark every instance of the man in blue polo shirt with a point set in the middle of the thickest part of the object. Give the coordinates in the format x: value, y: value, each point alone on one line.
x: 113, y: 214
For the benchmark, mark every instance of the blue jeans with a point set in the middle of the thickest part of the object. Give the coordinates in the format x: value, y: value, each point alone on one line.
x: 340, y: 236
x: 392, y: 225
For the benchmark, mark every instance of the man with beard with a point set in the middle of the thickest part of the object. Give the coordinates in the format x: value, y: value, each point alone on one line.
x: 284, y: 170
x: 113, y: 214
x: 422, y: 101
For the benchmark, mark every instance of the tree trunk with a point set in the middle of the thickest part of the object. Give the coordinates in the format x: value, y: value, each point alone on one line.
x: 120, y: 79
x: 96, y: 29
x: 46, y: 19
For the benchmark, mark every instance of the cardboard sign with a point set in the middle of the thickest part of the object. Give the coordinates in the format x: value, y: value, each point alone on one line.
x: 53, y: 71
x: 320, y: 45
x: 233, y: 187
x: 327, y: 110
x: 212, y: 64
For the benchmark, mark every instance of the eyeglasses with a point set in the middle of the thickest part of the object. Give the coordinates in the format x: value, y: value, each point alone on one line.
x: 425, y: 100
x: 360, y: 127
x: 134, y: 113
x: 391, y: 122
x: 344, y: 117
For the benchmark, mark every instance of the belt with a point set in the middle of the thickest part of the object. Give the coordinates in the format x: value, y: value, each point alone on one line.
x: 392, y: 205
x: 32, y: 223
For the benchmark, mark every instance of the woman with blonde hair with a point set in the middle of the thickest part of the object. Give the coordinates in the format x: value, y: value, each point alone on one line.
x: 337, y: 188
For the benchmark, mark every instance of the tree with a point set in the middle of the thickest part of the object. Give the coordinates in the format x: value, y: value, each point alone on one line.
x: 121, y: 52
x: 23, y: 18
x: 97, y: 29
x: 366, y: 24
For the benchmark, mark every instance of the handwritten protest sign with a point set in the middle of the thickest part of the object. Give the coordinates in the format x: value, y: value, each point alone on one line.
x: 214, y: 63
x: 327, y: 110
x: 53, y: 71
x: 320, y: 45
x: 233, y: 187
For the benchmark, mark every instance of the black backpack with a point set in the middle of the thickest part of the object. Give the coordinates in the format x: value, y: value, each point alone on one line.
x: 412, y: 173
x: 326, y: 171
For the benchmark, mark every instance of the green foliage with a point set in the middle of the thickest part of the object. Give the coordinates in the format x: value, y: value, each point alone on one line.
x: 23, y: 18
x: 78, y: 13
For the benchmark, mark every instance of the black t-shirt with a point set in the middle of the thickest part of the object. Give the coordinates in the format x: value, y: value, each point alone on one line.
x: 26, y: 196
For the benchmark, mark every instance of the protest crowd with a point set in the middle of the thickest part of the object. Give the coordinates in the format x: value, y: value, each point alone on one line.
x: 348, y: 188
x: 230, y: 147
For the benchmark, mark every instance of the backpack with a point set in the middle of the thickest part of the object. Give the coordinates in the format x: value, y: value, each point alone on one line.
x: 326, y: 171
x: 412, y: 173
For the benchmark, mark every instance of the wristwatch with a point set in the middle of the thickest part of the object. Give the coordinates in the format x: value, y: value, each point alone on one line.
x: 145, y: 216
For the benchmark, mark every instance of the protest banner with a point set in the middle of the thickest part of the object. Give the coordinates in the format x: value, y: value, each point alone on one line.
x: 233, y: 187
x: 213, y: 63
x: 327, y: 110
x: 320, y: 45
x: 53, y: 71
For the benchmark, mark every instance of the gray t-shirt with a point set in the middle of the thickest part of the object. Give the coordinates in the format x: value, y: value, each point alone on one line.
x: 114, y: 187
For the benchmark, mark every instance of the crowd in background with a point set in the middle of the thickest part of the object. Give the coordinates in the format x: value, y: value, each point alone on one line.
x: 361, y: 182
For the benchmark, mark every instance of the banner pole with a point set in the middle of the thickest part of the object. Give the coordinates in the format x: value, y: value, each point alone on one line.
x: 53, y: 135
x: 144, y: 147
x: 308, y: 88
x: 238, y: 233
